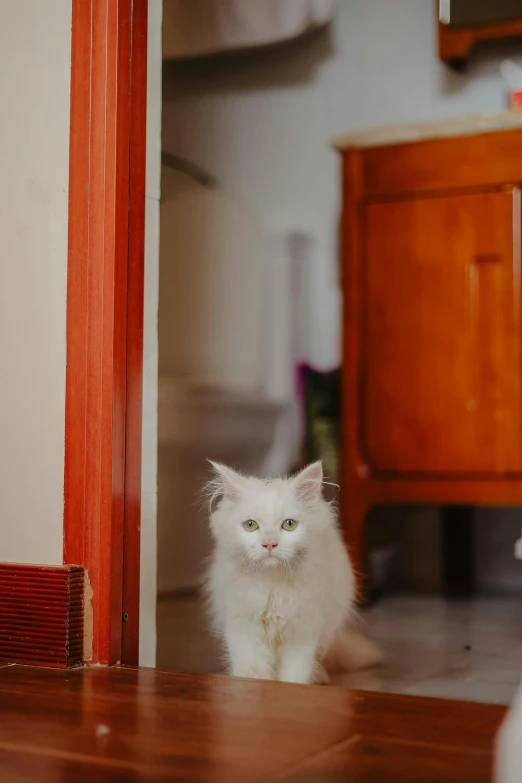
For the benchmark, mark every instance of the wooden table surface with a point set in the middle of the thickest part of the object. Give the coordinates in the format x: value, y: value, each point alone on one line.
x: 136, y: 725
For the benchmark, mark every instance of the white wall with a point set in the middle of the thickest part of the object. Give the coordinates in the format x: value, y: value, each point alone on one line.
x: 262, y: 124
x: 35, y: 46
x: 149, y: 490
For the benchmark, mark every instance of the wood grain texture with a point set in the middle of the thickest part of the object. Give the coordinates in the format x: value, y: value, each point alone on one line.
x: 41, y: 615
x: 395, y: 760
x: 135, y: 305
x: 102, y: 197
x: 441, y: 328
x: 432, y: 342
x: 145, y: 725
x: 480, y: 161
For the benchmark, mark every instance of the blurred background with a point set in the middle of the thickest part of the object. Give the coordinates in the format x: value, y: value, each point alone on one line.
x: 250, y: 307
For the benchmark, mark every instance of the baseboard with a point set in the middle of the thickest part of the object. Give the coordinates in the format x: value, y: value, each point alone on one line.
x: 42, y: 615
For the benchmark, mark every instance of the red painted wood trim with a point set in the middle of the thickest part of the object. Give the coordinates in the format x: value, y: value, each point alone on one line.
x: 41, y: 615
x: 101, y: 199
x: 135, y: 301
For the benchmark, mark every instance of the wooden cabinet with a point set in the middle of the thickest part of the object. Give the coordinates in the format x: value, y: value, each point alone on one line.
x: 432, y: 395
x: 441, y: 378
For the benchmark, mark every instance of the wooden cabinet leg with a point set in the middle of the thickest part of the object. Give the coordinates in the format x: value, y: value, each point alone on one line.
x: 458, y: 551
x: 354, y: 517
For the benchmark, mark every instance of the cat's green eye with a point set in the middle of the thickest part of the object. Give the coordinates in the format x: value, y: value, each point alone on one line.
x: 250, y: 525
x: 289, y: 524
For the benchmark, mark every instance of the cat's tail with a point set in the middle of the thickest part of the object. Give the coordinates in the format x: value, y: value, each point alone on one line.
x: 350, y: 651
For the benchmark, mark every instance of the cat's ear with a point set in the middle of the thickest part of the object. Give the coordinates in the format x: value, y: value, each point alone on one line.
x: 308, y: 484
x: 226, y: 482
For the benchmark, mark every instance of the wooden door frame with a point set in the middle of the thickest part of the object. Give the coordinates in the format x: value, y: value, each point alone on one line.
x: 103, y: 409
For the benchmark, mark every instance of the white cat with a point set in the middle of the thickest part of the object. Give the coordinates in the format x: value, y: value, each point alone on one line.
x: 280, y: 586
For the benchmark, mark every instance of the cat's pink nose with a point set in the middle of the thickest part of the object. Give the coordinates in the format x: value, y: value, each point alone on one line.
x: 269, y: 546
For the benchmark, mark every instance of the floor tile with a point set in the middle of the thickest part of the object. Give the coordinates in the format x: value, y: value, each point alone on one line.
x: 457, y: 650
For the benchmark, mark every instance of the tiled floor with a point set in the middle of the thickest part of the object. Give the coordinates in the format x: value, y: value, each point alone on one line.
x: 470, y: 650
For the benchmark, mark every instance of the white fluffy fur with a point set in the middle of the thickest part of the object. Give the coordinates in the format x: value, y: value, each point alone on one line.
x: 282, y: 614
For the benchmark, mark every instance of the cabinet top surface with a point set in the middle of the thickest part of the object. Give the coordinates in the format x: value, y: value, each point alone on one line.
x: 422, y: 131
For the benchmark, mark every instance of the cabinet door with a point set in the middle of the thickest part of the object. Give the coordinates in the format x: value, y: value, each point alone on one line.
x: 441, y: 342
